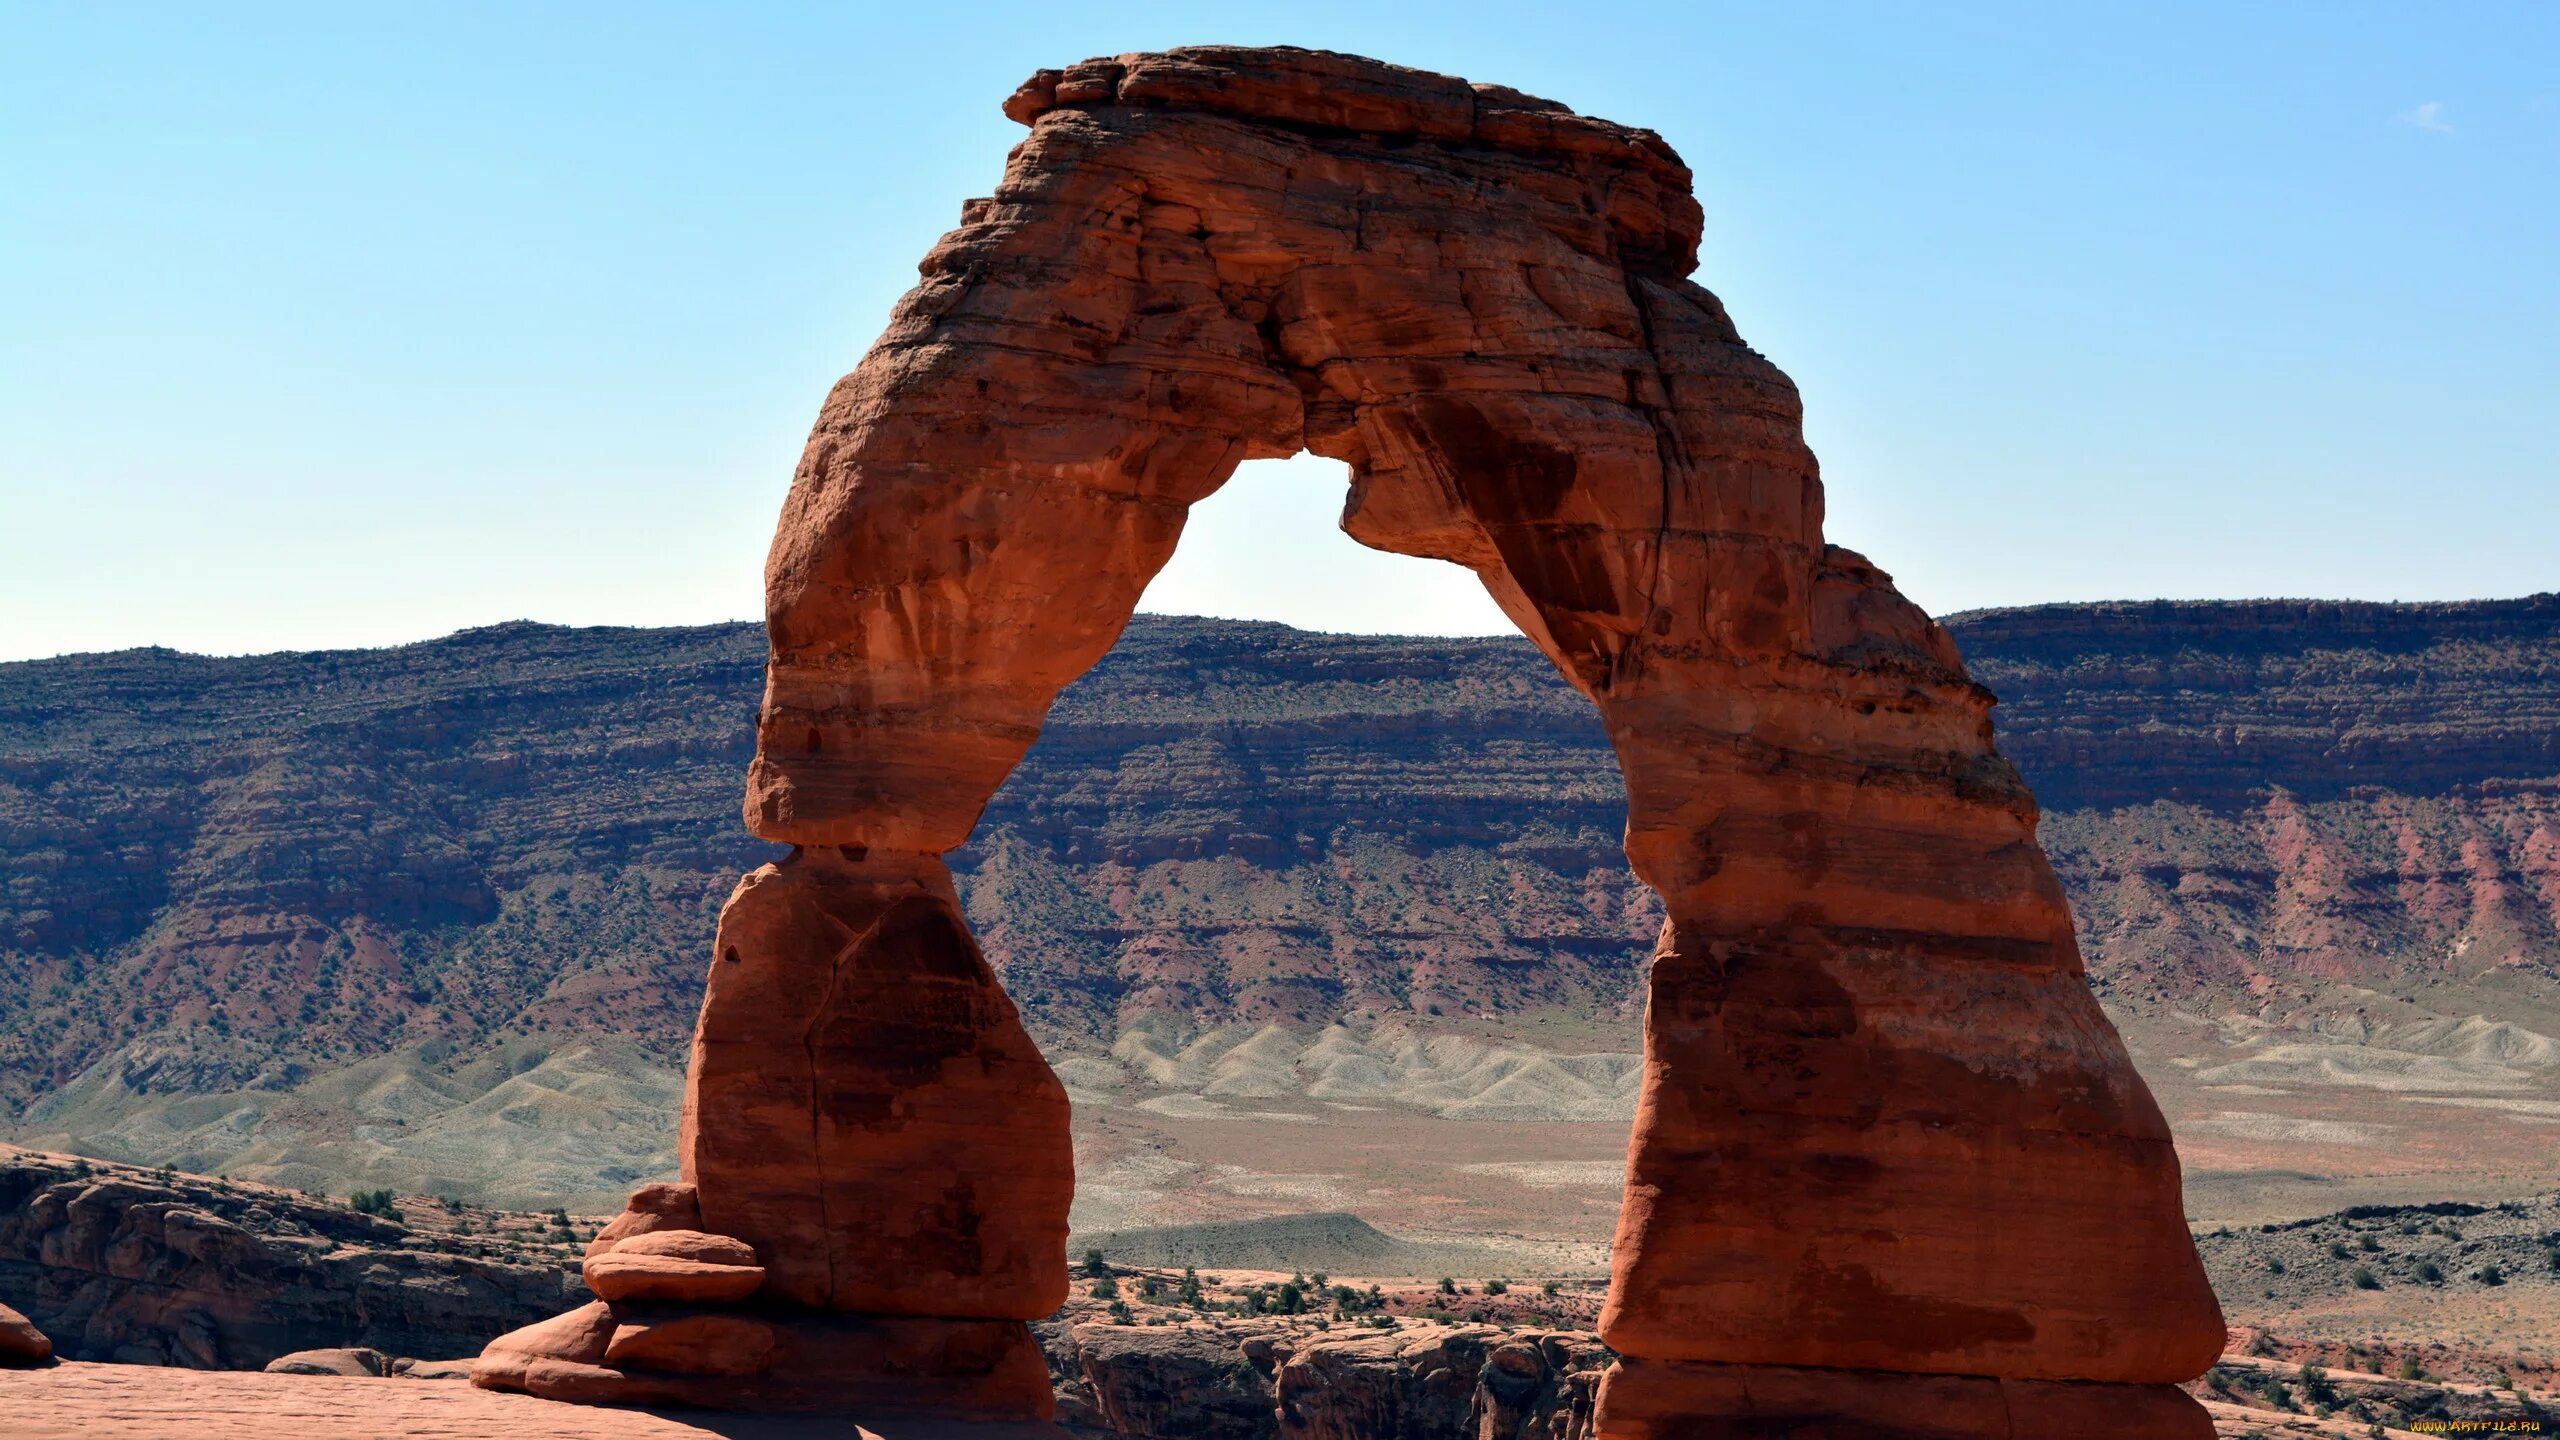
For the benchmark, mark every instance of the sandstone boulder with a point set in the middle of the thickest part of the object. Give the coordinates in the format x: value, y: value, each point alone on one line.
x: 580, y: 1336
x: 697, y: 1344
x: 651, y: 1207
x: 624, y: 1353
x: 349, y: 1362
x: 697, y: 1246
x: 21, y: 1343
x: 689, y: 1266
x: 624, y: 1276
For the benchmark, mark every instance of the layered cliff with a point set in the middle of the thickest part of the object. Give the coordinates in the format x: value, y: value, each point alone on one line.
x: 2214, y: 702
x: 383, y: 901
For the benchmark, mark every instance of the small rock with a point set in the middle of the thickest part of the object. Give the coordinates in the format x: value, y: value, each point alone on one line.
x: 350, y: 1362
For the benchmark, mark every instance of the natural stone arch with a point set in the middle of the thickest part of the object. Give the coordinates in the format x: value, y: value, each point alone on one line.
x: 1885, y: 1134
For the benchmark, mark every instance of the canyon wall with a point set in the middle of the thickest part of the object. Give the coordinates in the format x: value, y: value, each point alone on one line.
x: 1222, y: 820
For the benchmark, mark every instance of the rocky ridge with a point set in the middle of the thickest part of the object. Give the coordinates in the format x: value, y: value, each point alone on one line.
x: 148, y: 1267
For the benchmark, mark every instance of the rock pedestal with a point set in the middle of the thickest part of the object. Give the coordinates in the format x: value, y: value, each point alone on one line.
x: 1890, y: 1160
x: 864, y: 1107
x: 878, y: 1171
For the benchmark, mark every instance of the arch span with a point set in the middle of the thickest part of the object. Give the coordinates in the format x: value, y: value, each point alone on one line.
x: 1886, y: 1134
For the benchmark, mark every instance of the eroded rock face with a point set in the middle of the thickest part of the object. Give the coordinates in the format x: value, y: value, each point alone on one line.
x: 1885, y: 1129
x: 1468, y: 1380
x: 182, y: 1270
x: 1220, y: 1379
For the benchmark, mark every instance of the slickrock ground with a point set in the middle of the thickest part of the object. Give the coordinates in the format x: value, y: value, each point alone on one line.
x: 81, y: 1401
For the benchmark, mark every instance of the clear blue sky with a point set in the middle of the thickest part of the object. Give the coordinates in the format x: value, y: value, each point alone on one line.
x: 351, y: 324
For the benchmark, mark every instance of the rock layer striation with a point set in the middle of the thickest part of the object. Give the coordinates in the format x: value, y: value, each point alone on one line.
x: 1884, y: 1130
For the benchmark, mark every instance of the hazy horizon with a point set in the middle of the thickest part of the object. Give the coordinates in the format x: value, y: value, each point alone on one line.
x: 1506, y: 629
x: 325, y: 329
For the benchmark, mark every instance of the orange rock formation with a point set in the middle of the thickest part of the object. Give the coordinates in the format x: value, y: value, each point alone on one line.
x: 1886, y: 1134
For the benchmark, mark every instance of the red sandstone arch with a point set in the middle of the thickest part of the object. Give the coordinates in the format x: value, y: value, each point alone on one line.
x: 1892, y: 1167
